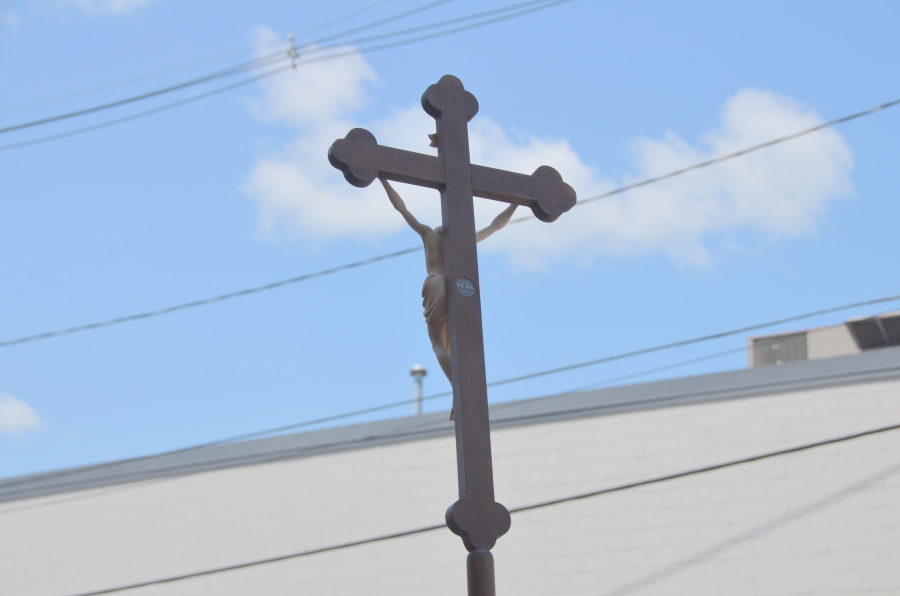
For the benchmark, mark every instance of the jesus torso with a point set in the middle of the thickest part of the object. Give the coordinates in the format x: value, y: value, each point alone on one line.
x: 434, y: 251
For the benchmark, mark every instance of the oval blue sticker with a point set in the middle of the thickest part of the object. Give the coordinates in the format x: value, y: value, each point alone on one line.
x: 465, y: 286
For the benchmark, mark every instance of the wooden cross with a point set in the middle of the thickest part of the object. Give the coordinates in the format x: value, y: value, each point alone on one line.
x: 475, y: 517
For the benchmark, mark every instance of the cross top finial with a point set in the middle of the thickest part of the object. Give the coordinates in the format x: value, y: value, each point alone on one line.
x: 448, y: 95
x: 362, y: 159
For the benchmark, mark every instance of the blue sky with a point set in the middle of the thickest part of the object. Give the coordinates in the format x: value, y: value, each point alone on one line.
x: 235, y: 191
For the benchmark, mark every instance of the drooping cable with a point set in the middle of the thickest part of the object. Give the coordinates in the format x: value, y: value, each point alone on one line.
x: 471, y: 17
x: 284, y: 57
x: 384, y: 21
x: 140, y: 78
x: 232, y: 70
x: 606, y: 406
x: 149, y: 112
x: 346, y: 17
x: 204, y: 61
x: 535, y: 506
x: 243, y: 67
x: 212, y: 300
x: 418, y: 248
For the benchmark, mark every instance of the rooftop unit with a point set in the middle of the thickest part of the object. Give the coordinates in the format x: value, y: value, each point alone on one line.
x: 852, y: 337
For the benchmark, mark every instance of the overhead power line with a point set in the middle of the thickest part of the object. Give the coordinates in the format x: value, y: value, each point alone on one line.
x: 397, y: 17
x: 353, y: 265
x: 212, y: 300
x: 541, y: 505
x: 624, y: 355
x: 695, y: 340
x: 271, y: 73
x: 346, y: 17
x: 149, y: 112
x: 406, y: 402
x: 270, y: 60
x: 308, y: 423
x: 210, y: 60
x: 290, y: 452
x: 656, y: 369
x: 140, y: 78
x: 716, y: 160
x: 360, y: 40
x: 240, y: 68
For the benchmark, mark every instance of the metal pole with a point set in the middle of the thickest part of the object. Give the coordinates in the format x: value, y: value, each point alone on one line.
x: 417, y: 372
x: 480, y: 573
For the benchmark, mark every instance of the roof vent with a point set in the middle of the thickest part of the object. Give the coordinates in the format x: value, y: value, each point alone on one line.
x: 876, y: 332
x: 778, y: 349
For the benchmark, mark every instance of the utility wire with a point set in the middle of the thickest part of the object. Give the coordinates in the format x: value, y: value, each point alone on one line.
x: 401, y: 32
x: 396, y: 17
x: 560, y: 369
x: 198, y: 63
x: 346, y: 17
x: 281, y: 56
x: 545, y: 5
x: 418, y: 248
x: 659, y: 399
x: 606, y: 406
x: 251, y: 64
x: 138, y: 79
x: 650, y: 371
x: 256, y: 78
x: 414, y: 431
x: 176, y: 469
x: 678, y: 344
x: 206, y: 301
x: 406, y: 402
x: 237, y: 69
x: 128, y: 486
x: 710, y: 162
x: 232, y: 70
x: 149, y: 112
x: 716, y: 160
x: 541, y: 505
x: 697, y: 339
x: 711, y: 468
x: 148, y: 76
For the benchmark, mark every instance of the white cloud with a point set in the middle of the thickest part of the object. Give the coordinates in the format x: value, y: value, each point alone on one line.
x: 95, y: 7
x: 16, y: 417
x: 315, y: 94
x: 778, y: 192
x: 8, y: 16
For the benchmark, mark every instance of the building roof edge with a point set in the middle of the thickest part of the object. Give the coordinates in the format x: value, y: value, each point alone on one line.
x: 870, y: 366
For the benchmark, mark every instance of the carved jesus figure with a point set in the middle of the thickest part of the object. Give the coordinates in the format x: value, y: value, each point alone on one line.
x: 434, y: 290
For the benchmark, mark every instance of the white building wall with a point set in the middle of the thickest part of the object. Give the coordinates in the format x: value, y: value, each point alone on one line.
x: 828, y: 342
x: 825, y: 521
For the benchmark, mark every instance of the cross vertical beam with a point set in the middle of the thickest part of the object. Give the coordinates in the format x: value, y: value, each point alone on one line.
x: 475, y: 517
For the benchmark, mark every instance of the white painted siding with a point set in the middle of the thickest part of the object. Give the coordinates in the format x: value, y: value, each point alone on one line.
x: 825, y: 521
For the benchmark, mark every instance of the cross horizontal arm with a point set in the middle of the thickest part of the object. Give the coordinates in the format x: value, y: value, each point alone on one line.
x: 362, y: 160
x: 544, y: 191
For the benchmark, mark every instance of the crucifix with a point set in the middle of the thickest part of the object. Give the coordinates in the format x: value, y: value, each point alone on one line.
x: 475, y: 517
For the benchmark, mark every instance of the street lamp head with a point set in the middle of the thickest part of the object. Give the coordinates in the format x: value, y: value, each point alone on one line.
x: 418, y: 371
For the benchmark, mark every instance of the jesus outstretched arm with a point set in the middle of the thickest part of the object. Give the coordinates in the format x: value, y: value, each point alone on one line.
x: 498, y: 224
x: 420, y: 228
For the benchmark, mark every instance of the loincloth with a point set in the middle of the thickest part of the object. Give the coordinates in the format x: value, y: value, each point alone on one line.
x: 434, y: 298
